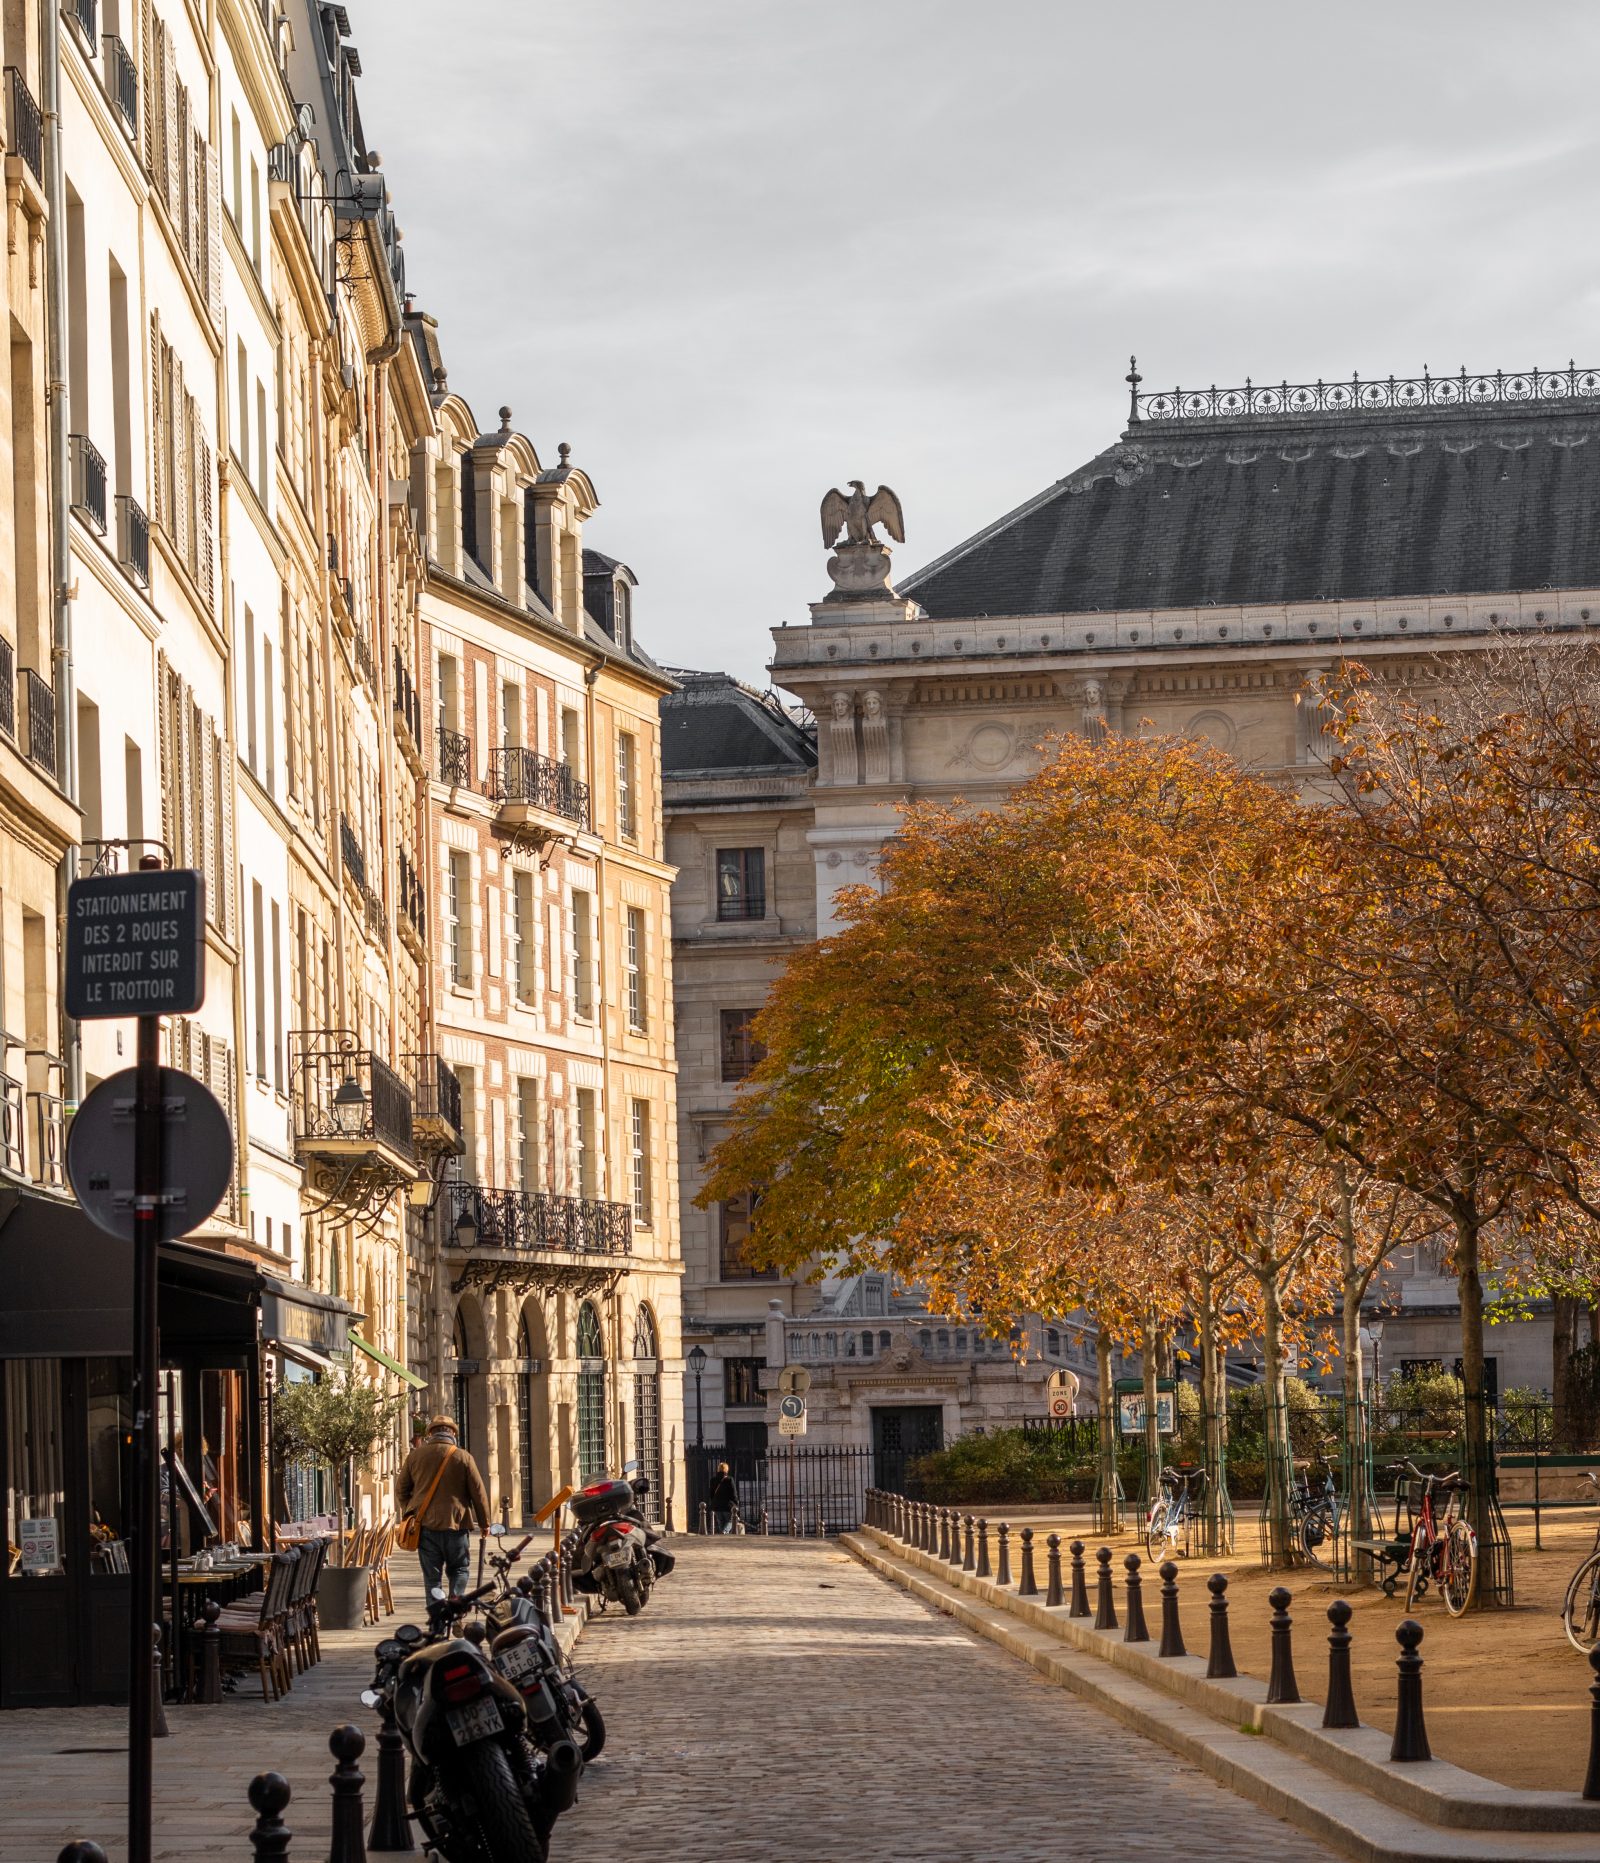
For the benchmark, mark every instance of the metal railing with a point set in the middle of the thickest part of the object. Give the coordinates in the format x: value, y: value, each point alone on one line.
x: 365, y: 664
x: 529, y: 1220
x: 407, y: 705
x: 13, y: 1147
x: 1358, y: 397
x: 435, y: 1091
x: 809, y: 1490
x: 122, y: 82
x: 50, y: 1137
x: 413, y: 896
x: 519, y: 775
x: 24, y: 122
x: 8, y: 689
x: 343, y: 1091
x: 133, y: 539
x: 88, y: 480
x: 377, y: 919
x: 455, y: 757
x: 85, y: 14
x: 41, y: 720
x: 350, y: 853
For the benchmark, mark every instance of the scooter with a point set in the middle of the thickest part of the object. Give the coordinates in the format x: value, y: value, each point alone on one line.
x: 619, y: 1557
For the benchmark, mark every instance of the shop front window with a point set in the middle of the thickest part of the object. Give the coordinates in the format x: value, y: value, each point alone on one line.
x: 224, y: 1454
x: 35, y: 1474
x: 110, y: 1416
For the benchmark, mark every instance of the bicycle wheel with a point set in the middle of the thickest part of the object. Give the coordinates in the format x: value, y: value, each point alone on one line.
x: 1319, y: 1533
x: 1155, y: 1530
x: 1458, y: 1568
x: 1580, y: 1609
x: 1421, y: 1555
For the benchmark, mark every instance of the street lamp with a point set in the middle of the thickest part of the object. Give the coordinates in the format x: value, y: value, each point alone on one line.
x: 350, y: 1107
x: 697, y: 1364
x: 466, y: 1228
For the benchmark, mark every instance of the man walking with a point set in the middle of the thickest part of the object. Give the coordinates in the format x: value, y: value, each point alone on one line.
x: 440, y: 1483
x: 724, y: 1499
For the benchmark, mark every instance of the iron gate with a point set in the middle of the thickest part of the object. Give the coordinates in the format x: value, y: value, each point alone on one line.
x: 807, y: 1490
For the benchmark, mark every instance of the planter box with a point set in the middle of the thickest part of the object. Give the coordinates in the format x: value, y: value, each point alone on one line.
x: 342, y: 1596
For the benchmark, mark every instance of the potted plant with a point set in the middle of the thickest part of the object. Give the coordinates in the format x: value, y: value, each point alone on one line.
x: 336, y: 1421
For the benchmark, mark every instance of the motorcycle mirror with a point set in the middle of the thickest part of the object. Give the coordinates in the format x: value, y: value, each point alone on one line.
x: 497, y: 1531
x: 440, y: 1592
x: 408, y: 1633
x: 370, y: 1698
x: 640, y: 1484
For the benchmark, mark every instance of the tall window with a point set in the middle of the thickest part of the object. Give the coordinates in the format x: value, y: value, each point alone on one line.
x: 740, y: 1049
x: 741, y: 883
x: 647, y: 1408
x: 582, y: 956
x: 458, y: 918
x: 449, y: 692
x: 524, y: 910
x: 525, y: 1417
x: 467, y: 1164
x: 526, y: 1110
x: 741, y: 1382
x: 591, y: 1395
x: 588, y: 1145
x: 628, y: 785
x: 639, y: 1154
x: 734, y: 1216
x: 511, y: 714
x: 633, y: 968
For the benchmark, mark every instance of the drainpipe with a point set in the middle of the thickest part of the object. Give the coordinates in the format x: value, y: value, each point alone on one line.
x: 63, y: 680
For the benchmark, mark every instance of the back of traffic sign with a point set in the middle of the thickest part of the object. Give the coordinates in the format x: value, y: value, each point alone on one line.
x: 196, y: 1139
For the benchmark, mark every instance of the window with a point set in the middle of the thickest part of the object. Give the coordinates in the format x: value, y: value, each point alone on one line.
x: 526, y: 1111
x: 449, y: 692
x: 458, y: 918
x: 740, y: 1049
x: 511, y: 714
x: 591, y: 1396
x: 741, y: 1382
x: 639, y: 1153
x: 241, y: 447
x: 633, y: 968
x: 741, y: 883
x: 569, y: 737
x: 251, y: 753
x: 259, y: 970
x: 627, y: 785
x: 734, y: 1216
x: 467, y: 1165
x: 277, y: 998
x: 582, y: 957
x: 588, y: 1150
x: 524, y: 912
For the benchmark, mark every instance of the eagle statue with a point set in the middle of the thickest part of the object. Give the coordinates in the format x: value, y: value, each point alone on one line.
x: 856, y: 514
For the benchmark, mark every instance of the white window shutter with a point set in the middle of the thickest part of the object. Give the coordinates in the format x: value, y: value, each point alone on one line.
x: 213, y: 177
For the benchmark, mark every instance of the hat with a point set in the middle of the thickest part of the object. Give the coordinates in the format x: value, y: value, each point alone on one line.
x: 443, y: 1423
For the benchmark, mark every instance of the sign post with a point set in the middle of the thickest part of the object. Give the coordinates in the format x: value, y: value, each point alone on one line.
x: 136, y: 947
x: 792, y: 1422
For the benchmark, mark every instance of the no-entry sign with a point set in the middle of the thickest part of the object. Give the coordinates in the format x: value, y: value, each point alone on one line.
x: 136, y: 944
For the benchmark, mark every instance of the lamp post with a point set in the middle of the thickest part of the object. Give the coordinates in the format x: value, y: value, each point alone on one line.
x: 350, y: 1107
x: 697, y: 1364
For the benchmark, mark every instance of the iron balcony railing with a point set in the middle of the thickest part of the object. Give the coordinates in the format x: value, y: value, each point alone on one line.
x: 377, y: 919
x: 345, y: 1093
x: 41, y: 720
x: 519, y: 775
x: 13, y: 1147
x: 408, y: 707
x: 530, y: 1221
x: 133, y: 539
x: 8, y: 689
x: 88, y: 480
x: 24, y: 123
x: 455, y: 758
x: 1356, y: 396
x: 413, y: 896
x: 365, y: 663
x: 122, y: 82
x: 435, y: 1092
x: 50, y: 1136
x: 85, y: 15
x: 350, y: 852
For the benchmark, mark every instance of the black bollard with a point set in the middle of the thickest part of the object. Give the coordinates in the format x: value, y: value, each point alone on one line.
x: 967, y: 1560
x: 269, y: 1793
x: 1027, y: 1583
x: 1079, y: 1606
x: 944, y: 1536
x: 983, y: 1549
x: 1340, y: 1710
x: 1053, y: 1594
x: 349, y: 1844
x: 1281, y: 1684
x: 1410, y: 1730
x: 391, y: 1828
x: 1105, y: 1617
x: 923, y: 1525
x: 1002, y: 1573
x: 1219, y: 1664
x: 158, y: 1726
x: 1171, y: 1629
x: 955, y: 1538
x: 211, y: 1654
x: 1591, y: 1783
x: 1138, y: 1631
x: 82, y: 1851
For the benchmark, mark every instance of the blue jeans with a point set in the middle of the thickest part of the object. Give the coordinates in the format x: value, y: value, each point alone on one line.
x: 446, y: 1559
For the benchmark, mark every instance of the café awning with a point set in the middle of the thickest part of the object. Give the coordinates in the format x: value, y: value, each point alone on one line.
x: 389, y: 1364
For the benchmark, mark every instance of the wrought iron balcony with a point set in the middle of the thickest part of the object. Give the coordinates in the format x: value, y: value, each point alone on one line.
x: 435, y: 1107
x: 41, y: 720
x: 413, y: 898
x: 122, y: 82
x: 88, y: 480
x: 8, y: 689
x: 355, y: 862
x: 352, y: 1122
x: 529, y: 779
x: 13, y: 1147
x: 133, y: 539
x: 455, y: 758
x: 85, y: 15
x: 407, y: 705
x: 531, y: 1238
x: 24, y: 123
x: 366, y: 665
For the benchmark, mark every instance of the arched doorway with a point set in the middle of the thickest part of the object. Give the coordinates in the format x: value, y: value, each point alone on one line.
x: 647, y: 1408
x: 461, y: 1380
x: 535, y: 1477
x: 591, y: 1395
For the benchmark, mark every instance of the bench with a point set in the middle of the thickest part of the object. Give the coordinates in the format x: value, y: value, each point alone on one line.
x: 1383, y: 1553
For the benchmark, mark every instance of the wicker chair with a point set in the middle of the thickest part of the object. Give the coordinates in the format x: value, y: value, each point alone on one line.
x: 253, y: 1629
x: 380, y: 1593
x: 300, y: 1613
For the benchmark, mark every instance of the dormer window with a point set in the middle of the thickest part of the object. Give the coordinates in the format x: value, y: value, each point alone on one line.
x: 624, y: 613
x: 469, y: 508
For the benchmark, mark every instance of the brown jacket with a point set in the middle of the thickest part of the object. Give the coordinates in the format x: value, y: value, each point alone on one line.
x: 461, y: 1495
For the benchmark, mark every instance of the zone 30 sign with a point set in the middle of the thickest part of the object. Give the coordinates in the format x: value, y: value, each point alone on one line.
x: 136, y: 944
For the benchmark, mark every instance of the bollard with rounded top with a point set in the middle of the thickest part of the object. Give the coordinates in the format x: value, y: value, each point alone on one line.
x: 1054, y: 1596
x: 944, y: 1534
x: 1219, y: 1664
x: 158, y: 1728
x: 967, y: 1560
x: 1340, y: 1710
x: 924, y: 1526
x: 1138, y: 1631
x: 269, y: 1794
x: 1281, y: 1685
x: 1410, y: 1730
x: 82, y: 1851
x: 1105, y: 1616
x: 1171, y: 1629
x: 955, y: 1538
x: 1027, y: 1583
x: 1002, y: 1572
x: 211, y: 1654
x: 391, y: 1827
x: 1079, y: 1606
x: 983, y: 1548
x: 1591, y: 1783
x: 349, y: 1844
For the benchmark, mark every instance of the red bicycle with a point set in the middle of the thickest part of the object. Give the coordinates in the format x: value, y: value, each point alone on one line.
x: 1444, y: 1548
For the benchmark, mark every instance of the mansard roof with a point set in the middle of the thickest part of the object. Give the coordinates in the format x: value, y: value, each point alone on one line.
x: 713, y: 724
x: 1302, y: 493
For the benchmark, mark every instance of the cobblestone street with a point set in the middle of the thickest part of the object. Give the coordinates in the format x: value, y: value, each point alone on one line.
x: 777, y: 1701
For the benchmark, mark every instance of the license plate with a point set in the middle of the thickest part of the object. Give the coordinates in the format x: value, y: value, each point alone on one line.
x: 520, y: 1660
x: 476, y: 1721
x: 618, y: 1555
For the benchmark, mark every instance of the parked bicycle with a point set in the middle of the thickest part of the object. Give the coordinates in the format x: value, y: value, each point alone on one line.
x: 1444, y: 1548
x: 1580, y: 1609
x: 1174, y: 1510
x: 1314, y: 1510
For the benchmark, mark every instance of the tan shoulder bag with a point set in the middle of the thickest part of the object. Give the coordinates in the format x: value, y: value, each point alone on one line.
x: 408, y: 1535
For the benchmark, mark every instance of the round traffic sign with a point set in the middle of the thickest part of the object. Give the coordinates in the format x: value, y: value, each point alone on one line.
x: 197, y: 1153
x: 1061, y: 1406
x: 792, y: 1406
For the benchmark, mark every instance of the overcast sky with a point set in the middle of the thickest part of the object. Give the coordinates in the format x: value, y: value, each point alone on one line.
x: 737, y: 251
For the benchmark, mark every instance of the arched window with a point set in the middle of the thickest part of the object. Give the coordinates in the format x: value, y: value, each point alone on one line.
x: 591, y: 1395
x: 647, y: 1407
x: 525, y: 1379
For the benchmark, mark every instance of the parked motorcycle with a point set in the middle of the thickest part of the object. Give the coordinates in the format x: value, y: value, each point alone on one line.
x: 524, y: 1648
x: 619, y: 1556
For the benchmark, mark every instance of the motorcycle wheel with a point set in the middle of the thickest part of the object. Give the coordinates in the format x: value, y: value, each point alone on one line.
x: 505, y: 1826
x: 628, y: 1594
x: 593, y: 1736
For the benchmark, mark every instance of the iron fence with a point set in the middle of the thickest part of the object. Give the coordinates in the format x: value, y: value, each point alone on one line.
x: 351, y: 854
x: 24, y: 122
x: 344, y: 1091
x: 407, y: 705
x: 435, y: 1090
x: 133, y: 539
x: 1356, y: 396
x: 520, y: 775
x: 88, y: 465
x: 41, y: 720
x: 796, y: 1489
x: 13, y: 1148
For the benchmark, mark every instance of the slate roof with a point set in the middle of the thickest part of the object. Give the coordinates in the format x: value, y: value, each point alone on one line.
x: 1289, y: 508
x: 712, y: 724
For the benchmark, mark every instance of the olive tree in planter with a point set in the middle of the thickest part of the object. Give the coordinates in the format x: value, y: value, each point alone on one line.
x: 338, y: 1422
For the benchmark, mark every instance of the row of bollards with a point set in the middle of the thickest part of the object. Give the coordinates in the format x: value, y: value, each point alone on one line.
x: 964, y: 1540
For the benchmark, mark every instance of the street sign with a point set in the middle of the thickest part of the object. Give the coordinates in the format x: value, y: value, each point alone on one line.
x: 136, y: 944
x: 196, y: 1139
x: 791, y: 1415
x: 1063, y: 1389
x: 794, y: 1378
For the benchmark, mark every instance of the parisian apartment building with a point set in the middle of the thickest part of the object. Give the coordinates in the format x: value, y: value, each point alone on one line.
x: 273, y: 608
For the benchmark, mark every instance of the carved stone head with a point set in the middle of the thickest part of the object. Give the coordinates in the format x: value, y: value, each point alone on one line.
x: 842, y: 706
x: 873, y: 705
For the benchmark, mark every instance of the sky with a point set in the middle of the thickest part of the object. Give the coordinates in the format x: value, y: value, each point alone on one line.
x: 739, y: 251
